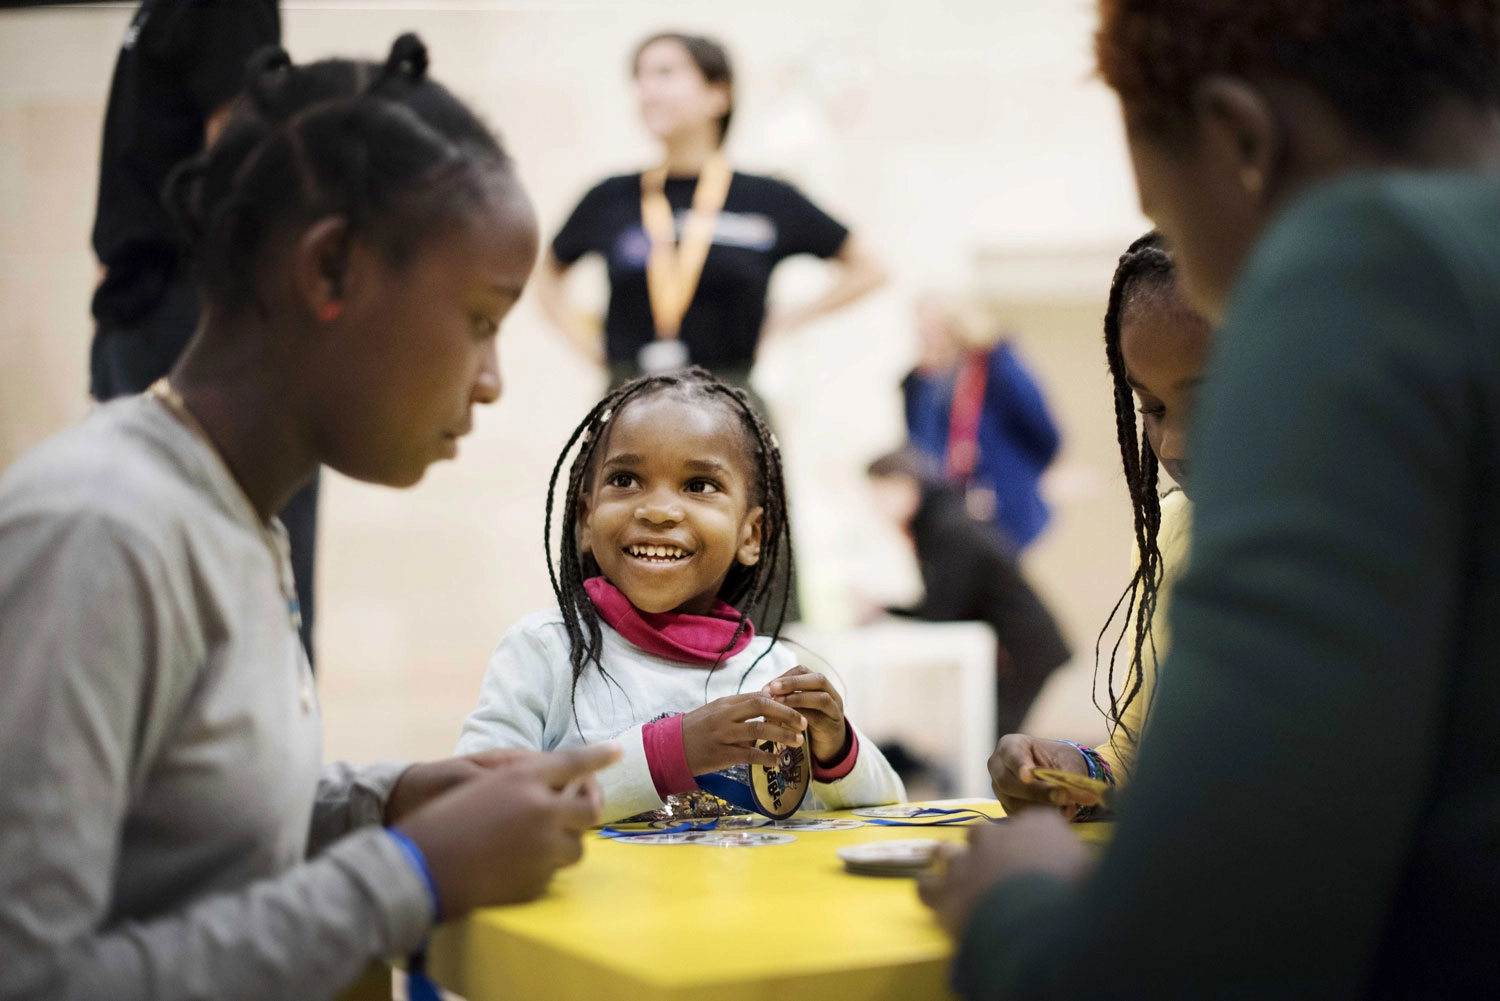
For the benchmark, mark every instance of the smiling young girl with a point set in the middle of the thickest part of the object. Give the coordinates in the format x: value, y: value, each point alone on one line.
x: 674, y: 532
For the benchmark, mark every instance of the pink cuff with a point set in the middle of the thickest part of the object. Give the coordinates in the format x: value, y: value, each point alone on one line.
x: 666, y: 757
x: 845, y: 763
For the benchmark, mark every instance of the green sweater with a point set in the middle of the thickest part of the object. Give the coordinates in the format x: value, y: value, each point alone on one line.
x: 1316, y: 808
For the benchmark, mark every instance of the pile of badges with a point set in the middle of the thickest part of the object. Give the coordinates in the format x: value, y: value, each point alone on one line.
x: 733, y: 831
x: 712, y: 839
x: 814, y: 823
x: 904, y: 857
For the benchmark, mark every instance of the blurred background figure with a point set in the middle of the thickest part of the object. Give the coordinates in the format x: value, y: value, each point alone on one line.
x: 180, y: 65
x: 973, y: 407
x: 690, y: 244
x: 969, y: 574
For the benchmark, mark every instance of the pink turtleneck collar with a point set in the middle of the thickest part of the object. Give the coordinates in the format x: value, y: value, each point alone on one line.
x: 689, y: 639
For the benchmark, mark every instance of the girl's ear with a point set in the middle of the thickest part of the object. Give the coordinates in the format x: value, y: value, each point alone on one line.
x: 750, y: 529
x: 320, y: 263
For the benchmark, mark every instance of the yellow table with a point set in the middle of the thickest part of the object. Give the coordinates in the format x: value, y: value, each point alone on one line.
x: 667, y: 922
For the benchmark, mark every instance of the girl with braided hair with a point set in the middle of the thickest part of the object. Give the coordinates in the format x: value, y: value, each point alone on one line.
x: 674, y: 544
x: 1157, y: 349
x: 170, y: 830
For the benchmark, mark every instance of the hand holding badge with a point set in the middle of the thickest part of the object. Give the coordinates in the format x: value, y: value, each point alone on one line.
x: 814, y: 696
x: 750, y: 751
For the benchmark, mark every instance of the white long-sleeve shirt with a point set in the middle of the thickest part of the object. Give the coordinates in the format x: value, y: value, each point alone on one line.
x: 527, y: 700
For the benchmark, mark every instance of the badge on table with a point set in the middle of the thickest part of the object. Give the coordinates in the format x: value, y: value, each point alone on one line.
x: 896, y: 811
x: 747, y: 839
x: 818, y: 824
x: 676, y: 838
x: 903, y: 857
x: 1057, y: 778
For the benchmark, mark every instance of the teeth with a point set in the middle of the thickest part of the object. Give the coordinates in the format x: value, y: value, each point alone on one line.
x: 658, y: 552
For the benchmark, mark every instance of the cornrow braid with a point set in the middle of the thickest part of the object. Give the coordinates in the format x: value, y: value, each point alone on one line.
x: 381, y: 146
x: 752, y: 590
x: 1145, y: 266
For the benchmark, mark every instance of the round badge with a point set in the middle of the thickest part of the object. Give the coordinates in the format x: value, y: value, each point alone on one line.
x: 682, y: 838
x: 818, y: 824
x: 779, y: 789
x: 747, y: 839
x: 904, y: 851
x: 899, y: 811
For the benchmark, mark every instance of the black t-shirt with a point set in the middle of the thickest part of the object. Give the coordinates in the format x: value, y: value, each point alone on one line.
x: 181, y: 60
x: 763, y: 221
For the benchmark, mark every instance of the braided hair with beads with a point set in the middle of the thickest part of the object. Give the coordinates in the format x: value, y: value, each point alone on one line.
x: 759, y: 592
x: 1144, y: 268
x: 382, y: 146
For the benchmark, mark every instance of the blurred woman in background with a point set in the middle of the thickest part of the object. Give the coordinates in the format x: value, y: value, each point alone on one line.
x: 690, y: 244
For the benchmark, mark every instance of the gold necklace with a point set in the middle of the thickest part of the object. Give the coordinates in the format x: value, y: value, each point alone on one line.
x: 164, y: 393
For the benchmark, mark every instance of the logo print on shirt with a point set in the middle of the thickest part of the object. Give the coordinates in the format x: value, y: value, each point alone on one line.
x: 745, y: 230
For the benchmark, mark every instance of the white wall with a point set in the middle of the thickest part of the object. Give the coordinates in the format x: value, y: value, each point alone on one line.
x: 940, y: 131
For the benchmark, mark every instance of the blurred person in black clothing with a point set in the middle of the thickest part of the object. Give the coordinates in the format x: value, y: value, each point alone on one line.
x: 970, y: 574
x: 181, y: 64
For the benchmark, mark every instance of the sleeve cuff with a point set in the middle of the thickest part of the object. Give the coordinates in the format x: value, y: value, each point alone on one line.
x: 401, y: 903
x: 666, y: 757
x: 419, y: 863
x: 844, y: 763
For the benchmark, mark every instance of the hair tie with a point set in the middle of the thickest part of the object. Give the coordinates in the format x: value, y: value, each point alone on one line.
x: 265, y: 62
x: 408, y: 60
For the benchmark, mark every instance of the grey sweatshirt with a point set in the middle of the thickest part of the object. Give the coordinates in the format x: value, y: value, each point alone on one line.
x: 160, y: 781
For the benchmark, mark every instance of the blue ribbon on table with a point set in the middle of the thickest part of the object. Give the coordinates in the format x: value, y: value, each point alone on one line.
x: 943, y: 817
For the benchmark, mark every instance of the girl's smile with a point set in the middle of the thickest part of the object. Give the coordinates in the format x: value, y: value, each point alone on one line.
x: 663, y: 554
x: 670, y: 510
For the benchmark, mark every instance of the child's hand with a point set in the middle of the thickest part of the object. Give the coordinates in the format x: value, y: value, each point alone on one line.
x: 726, y: 731
x: 1017, y: 756
x: 530, y: 812
x: 821, y: 703
x: 425, y: 781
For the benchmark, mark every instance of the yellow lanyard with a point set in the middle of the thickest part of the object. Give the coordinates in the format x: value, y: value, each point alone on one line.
x: 673, y: 269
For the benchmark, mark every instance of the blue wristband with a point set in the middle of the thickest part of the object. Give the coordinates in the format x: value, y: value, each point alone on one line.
x: 419, y: 863
x: 1088, y: 760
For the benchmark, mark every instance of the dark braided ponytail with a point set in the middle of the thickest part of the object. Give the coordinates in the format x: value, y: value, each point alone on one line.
x: 381, y: 146
x: 752, y: 590
x: 1144, y: 268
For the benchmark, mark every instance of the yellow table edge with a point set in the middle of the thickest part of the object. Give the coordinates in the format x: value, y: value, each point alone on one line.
x: 533, y: 951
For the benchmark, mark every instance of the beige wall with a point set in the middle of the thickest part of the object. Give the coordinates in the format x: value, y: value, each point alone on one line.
x: 962, y: 139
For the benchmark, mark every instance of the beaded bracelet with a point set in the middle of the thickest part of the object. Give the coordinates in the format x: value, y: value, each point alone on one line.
x: 1100, y: 771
